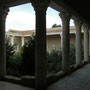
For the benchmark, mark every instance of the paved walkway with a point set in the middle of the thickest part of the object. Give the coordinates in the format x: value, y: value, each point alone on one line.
x: 10, y: 86
x: 79, y: 80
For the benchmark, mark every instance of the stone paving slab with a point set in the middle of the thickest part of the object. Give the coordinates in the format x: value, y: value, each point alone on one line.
x: 79, y: 80
x: 11, y: 86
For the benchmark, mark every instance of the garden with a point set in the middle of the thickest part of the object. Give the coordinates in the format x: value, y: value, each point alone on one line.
x: 23, y: 63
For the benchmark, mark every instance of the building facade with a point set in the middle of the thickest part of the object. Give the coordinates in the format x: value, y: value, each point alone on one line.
x: 53, y: 38
x: 69, y: 9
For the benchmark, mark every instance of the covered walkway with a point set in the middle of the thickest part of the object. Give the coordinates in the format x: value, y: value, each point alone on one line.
x: 11, y: 86
x: 79, y: 80
x: 70, y: 9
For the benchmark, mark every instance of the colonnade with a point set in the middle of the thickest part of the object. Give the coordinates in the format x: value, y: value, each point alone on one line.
x: 40, y: 8
x: 65, y: 17
x: 78, y: 24
x: 40, y: 54
x: 13, y: 40
x: 3, y: 14
x: 86, y: 42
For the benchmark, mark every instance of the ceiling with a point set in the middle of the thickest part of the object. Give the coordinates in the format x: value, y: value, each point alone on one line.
x: 79, y: 8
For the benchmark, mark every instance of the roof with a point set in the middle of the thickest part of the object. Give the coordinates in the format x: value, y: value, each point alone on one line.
x: 49, y: 30
x: 76, y: 7
x: 22, y: 32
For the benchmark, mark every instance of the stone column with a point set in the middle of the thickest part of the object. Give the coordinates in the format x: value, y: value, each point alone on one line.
x: 61, y: 39
x: 65, y: 41
x: 78, y: 25
x: 40, y: 7
x: 86, y: 42
x: 12, y: 40
x: 22, y: 41
x: 89, y: 42
x: 3, y: 14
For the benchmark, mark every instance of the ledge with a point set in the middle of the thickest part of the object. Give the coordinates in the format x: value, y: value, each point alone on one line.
x: 25, y: 80
x: 30, y: 80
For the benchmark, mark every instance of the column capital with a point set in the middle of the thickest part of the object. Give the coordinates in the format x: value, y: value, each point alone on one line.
x: 40, y: 5
x: 85, y: 27
x: 77, y: 22
x: 3, y: 12
x: 65, y: 16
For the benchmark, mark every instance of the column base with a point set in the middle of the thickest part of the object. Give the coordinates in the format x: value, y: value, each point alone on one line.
x: 86, y: 62
x: 41, y: 87
x: 78, y: 66
x: 68, y: 72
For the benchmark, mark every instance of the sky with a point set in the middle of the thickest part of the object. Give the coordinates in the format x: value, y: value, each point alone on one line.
x: 22, y: 17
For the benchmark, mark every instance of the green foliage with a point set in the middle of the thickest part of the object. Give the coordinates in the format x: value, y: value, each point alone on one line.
x: 13, y: 60
x: 28, y: 57
x: 54, y: 61
x: 55, y: 25
x: 15, y: 65
x: 72, y: 55
x: 9, y: 52
x: 21, y: 63
x: 24, y: 63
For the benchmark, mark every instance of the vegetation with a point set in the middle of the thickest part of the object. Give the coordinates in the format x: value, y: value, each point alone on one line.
x: 23, y: 63
x: 9, y: 52
x: 13, y: 60
x: 28, y: 57
x: 54, y: 61
x: 55, y: 25
x: 72, y: 55
x: 15, y: 65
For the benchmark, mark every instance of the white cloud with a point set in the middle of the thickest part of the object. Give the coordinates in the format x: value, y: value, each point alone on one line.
x: 20, y: 20
x: 71, y: 23
x: 26, y: 21
x: 52, y: 20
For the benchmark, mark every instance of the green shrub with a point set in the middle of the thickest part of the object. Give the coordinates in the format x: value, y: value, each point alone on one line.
x: 21, y: 63
x: 28, y: 57
x: 72, y: 55
x: 13, y: 60
x: 54, y: 61
x: 15, y: 65
x: 24, y: 63
x: 9, y: 52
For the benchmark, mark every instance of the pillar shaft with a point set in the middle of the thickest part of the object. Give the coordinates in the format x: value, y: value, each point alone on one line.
x: 22, y: 41
x: 61, y: 40
x: 40, y: 54
x: 78, y: 42
x: 40, y: 44
x: 86, y: 43
x: 89, y: 42
x: 12, y: 40
x: 65, y: 41
x: 3, y: 13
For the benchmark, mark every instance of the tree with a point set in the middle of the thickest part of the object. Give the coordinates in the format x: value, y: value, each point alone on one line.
x: 72, y: 54
x: 54, y: 59
x: 13, y: 60
x: 55, y: 25
x: 28, y: 57
x: 9, y: 52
